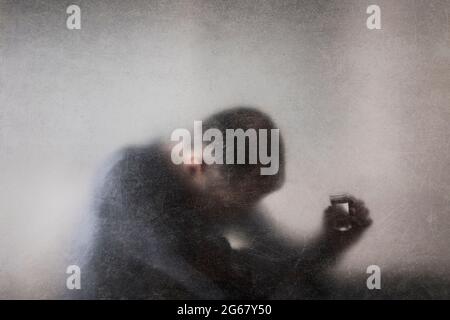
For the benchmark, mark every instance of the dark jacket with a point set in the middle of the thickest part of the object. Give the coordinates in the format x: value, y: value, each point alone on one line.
x: 152, y: 241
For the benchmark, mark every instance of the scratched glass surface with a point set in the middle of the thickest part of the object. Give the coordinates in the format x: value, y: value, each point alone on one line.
x: 364, y: 111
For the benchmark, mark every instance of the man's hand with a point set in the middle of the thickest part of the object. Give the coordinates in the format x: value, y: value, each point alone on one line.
x: 357, y: 218
x: 324, y: 251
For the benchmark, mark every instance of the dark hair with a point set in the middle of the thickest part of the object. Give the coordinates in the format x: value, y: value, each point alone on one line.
x: 248, y: 118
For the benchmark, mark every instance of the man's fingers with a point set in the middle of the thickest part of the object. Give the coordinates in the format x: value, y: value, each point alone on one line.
x: 331, y: 212
x: 360, y: 214
x: 361, y: 221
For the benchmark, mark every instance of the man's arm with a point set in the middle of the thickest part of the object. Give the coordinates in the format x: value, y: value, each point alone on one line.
x: 322, y: 253
x: 331, y: 244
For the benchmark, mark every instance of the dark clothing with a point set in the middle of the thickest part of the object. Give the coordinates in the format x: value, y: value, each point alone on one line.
x: 153, y: 241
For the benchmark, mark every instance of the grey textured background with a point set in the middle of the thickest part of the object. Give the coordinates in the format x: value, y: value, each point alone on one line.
x: 361, y: 111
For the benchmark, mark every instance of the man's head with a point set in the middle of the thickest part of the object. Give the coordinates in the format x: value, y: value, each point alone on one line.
x: 243, y: 177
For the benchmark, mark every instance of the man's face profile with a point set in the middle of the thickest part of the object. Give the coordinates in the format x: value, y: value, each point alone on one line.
x: 235, y: 171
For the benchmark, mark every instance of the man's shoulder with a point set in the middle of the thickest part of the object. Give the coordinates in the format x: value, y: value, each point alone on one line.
x: 132, y: 159
x: 129, y: 170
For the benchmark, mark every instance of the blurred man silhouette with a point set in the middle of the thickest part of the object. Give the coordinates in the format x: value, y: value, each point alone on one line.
x: 162, y: 230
